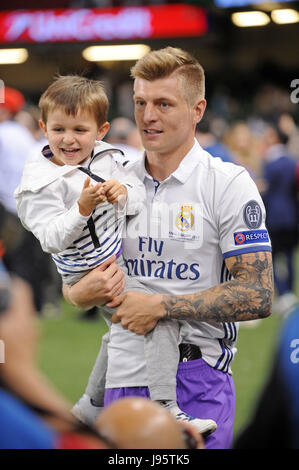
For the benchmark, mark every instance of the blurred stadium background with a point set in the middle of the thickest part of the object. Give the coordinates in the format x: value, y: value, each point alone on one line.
x: 243, y: 64
x: 252, y: 73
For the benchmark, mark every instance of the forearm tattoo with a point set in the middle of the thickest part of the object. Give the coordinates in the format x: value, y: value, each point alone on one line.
x: 247, y: 296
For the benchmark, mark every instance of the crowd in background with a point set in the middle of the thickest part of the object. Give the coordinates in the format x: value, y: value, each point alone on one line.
x: 265, y: 141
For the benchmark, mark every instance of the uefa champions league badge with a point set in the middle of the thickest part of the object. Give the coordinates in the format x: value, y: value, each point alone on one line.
x: 252, y: 215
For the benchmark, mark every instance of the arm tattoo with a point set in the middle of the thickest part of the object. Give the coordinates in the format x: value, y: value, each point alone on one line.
x: 247, y: 296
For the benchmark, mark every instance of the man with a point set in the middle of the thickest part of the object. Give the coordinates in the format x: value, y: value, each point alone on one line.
x: 203, y: 224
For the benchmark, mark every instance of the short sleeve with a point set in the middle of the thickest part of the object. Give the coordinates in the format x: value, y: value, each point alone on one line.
x: 241, y: 218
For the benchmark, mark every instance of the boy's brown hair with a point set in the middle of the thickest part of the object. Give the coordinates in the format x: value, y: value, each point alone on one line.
x: 74, y: 93
x: 170, y: 60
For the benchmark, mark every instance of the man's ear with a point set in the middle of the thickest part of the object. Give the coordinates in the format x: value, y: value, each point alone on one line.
x: 199, y: 108
x: 102, y: 131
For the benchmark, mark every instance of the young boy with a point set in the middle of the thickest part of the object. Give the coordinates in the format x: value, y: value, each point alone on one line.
x: 80, y: 218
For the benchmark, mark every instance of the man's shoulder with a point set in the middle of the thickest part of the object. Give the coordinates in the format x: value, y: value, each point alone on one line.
x: 223, y: 169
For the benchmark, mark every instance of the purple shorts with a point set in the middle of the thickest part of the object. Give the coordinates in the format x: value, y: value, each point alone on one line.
x: 202, y: 392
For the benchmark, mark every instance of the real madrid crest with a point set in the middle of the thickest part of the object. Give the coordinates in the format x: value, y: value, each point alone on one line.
x: 185, y: 218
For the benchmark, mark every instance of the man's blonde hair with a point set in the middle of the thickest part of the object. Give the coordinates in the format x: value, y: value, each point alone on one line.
x: 74, y: 93
x: 171, y: 60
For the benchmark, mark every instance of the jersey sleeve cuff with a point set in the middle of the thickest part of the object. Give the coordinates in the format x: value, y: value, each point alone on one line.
x: 242, y: 251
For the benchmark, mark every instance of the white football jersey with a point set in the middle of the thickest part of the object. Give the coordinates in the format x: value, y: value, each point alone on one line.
x: 203, y: 213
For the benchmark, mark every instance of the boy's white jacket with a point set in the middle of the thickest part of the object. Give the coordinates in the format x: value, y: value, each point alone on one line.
x: 41, y: 172
x: 51, y: 212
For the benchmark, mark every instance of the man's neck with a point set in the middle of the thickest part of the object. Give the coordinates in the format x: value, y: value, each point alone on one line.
x: 161, y: 166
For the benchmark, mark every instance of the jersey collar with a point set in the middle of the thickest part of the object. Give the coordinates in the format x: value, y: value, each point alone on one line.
x: 188, y: 164
x: 184, y: 170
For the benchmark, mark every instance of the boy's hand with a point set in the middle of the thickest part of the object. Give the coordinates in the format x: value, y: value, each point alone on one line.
x: 113, y: 190
x: 90, y: 197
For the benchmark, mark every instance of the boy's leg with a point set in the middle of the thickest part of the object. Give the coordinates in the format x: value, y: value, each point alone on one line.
x: 97, y: 379
x: 91, y: 403
x: 162, y: 359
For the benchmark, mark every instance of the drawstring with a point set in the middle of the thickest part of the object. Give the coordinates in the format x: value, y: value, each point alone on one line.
x: 88, y: 170
x: 90, y: 222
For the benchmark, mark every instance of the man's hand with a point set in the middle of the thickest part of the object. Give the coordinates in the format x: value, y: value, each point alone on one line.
x: 137, y: 312
x: 99, y: 286
x: 114, y: 190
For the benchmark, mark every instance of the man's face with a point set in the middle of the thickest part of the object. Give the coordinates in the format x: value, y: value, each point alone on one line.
x: 72, y: 138
x: 165, y: 120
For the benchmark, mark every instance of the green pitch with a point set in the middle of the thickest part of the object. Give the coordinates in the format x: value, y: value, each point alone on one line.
x: 68, y: 348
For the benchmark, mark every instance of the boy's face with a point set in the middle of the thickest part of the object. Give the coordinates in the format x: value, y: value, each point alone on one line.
x: 72, y: 138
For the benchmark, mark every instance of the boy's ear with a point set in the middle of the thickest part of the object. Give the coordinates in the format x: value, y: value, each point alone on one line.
x: 102, y: 131
x: 43, y: 126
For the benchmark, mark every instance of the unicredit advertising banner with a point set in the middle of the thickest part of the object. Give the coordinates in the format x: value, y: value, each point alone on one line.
x: 101, y: 24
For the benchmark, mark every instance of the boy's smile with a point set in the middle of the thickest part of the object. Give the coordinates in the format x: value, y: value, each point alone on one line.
x: 72, y: 138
